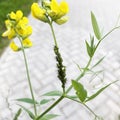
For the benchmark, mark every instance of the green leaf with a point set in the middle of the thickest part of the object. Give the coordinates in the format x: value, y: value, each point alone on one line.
x: 95, y: 26
x: 92, y: 45
x: 80, y: 91
x: 53, y: 93
x: 44, y: 101
x: 28, y: 111
x: 17, y: 114
x: 72, y: 96
x: 49, y: 117
x: 79, y: 67
x: 99, y: 91
x: 92, y: 41
x: 99, y: 61
x: 89, y: 50
x: 27, y: 100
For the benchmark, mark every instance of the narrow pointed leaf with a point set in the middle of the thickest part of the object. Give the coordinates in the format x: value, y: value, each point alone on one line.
x: 99, y: 91
x: 98, y: 62
x: 17, y: 114
x: 92, y: 41
x: 27, y: 100
x: 95, y: 26
x: 88, y: 49
x: 72, y: 96
x: 80, y: 91
x: 79, y: 67
x: 53, y: 93
x: 28, y: 111
x: 49, y: 117
x: 44, y: 101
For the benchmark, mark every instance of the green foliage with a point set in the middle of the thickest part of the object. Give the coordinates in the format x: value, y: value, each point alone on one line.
x: 44, y: 101
x: 99, y: 91
x: 71, y: 96
x: 27, y: 100
x: 98, y: 62
x: 53, y: 93
x: 49, y: 117
x: 91, y: 47
x: 31, y: 115
x: 17, y: 114
x: 95, y: 26
x: 80, y: 91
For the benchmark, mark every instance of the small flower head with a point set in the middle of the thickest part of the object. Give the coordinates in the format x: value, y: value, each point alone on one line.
x: 17, y: 25
x: 51, y: 11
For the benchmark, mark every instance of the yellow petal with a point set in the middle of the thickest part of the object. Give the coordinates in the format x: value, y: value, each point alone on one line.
x: 19, y: 15
x: 7, y: 22
x: 27, y: 43
x: 24, y: 32
x: 6, y: 33
x: 64, y: 7
x: 58, y: 10
x: 22, y: 23
x: 38, y: 12
x: 16, y: 16
x: 13, y: 15
x: 10, y: 33
x: 13, y: 46
x: 54, y: 6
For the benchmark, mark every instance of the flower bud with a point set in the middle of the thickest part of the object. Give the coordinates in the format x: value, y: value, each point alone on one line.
x: 62, y: 20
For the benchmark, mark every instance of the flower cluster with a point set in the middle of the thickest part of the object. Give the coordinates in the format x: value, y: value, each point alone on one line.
x: 17, y: 26
x: 51, y: 11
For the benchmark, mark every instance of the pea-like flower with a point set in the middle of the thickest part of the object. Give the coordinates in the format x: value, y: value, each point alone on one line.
x: 51, y: 11
x: 58, y: 10
x: 13, y: 46
x: 17, y: 25
x: 39, y: 12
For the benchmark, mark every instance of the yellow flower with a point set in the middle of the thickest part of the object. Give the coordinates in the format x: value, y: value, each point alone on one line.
x: 23, y: 22
x: 22, y: 28
x: 17, y: 25
x: 24, y: 32
x: 14, y: 47
x: 16, y: 16
x: 27, y: 43
x: 58, y: 10
x: 39, y: 12
x: 10, y: 33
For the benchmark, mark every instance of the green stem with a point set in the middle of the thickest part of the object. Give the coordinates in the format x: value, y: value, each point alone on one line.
x: 81, y: 75
x: 52, y: 106
x: 106, y: 36
x: 28, y: 76
x: 82, y: 104
x: 53, y: 33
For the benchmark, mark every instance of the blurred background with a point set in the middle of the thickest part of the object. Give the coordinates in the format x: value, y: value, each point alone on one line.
x: 71, y: 39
